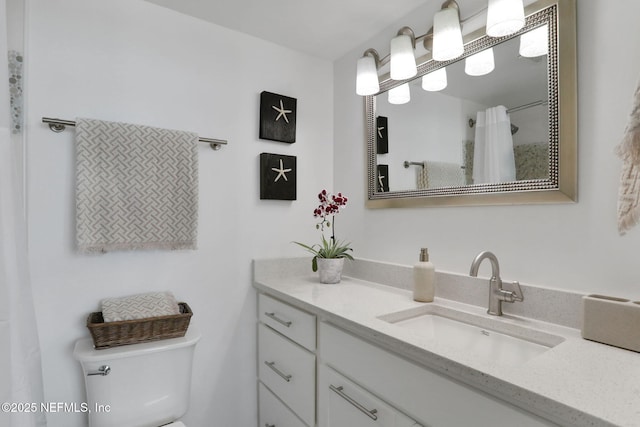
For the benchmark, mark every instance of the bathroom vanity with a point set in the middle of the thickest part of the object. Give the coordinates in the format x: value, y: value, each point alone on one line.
x: 363, y: 353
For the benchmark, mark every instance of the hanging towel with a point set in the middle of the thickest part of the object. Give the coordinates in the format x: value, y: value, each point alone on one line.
x: 422, y: 178
x: 440, y: 174
x: 532, y: 161
x: 629, y: 151
x: 493, y: 159
x: 136, y: 187
x: 140, y: 306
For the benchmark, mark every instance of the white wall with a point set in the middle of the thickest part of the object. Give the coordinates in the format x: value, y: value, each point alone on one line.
x: 570, y: 246
x: 132, y: 61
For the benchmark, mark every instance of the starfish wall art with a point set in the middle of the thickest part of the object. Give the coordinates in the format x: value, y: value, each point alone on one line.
x: 383, y: 178
x: 277, y: 117
x: 277, y: 177
x: 382, y: 135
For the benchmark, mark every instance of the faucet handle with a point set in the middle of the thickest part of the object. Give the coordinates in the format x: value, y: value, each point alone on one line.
x: 515, y: 294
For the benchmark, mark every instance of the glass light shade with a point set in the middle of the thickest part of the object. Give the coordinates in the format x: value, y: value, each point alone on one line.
x: 400, y: 94
x: 367, y: 76
x: 447, y: 35
x: 480, y: 63
x: 403, y: 62
x: 504, y: 17
x: 535, y: 42
x: 435, y: 80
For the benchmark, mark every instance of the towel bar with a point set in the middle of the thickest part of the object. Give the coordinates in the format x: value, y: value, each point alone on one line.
x: 58, y: 125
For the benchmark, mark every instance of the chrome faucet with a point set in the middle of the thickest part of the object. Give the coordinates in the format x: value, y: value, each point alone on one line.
x: 496, y: 293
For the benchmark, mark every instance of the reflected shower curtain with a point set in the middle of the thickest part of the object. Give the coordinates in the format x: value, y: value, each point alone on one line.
x: 493, y: 159
x: 20, y: 367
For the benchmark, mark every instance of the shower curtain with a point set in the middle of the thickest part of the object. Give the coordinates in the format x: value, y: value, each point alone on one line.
x: 20, y: 367
x: 493, y: 159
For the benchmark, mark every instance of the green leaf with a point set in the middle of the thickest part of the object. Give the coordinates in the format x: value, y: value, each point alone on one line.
x: 327, y: 249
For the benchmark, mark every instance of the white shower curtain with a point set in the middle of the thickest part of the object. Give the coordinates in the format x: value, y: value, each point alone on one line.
x: 493, y: 159
x: 20, y: 367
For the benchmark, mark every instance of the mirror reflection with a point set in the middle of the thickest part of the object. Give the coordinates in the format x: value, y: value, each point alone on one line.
x: 528, y: 99
x: 481, y: 120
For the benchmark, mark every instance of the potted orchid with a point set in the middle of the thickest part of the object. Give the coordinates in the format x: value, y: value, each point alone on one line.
x: 329, y: 255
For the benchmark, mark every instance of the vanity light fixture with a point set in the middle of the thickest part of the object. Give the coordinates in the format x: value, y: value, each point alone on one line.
x: 504, y: 17
x: 400, y: 94
x: 480, y: 63
x: 447, y: 33
x: 435, y: 81
x: 403, y: 62
x: 444, y: 40
x: 367, y: 73
x: 535, y: 43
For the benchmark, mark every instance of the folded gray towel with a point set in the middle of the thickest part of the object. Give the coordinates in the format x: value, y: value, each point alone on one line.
x: 140, y: 306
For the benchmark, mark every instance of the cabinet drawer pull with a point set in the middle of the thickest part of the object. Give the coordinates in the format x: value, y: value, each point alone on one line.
x: 286, y: 323
x: 269, y: 425
x: 284, y: 376
x: 369, y: 413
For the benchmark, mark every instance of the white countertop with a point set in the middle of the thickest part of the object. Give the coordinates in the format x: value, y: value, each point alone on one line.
x: 576, y: 383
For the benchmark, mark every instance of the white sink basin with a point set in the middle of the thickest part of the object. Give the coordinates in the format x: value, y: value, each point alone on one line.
x: 493, y: 340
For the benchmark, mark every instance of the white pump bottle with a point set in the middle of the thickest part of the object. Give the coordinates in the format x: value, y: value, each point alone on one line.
x: 424, y: 278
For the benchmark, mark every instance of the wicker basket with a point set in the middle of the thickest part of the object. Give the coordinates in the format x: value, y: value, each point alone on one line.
x: 112, y: 334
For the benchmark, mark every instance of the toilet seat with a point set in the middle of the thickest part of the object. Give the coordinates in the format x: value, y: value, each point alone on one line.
x: 175, y: 424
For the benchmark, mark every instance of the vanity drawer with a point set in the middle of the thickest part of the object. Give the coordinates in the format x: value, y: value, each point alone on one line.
x: 289, y: 371
x: 344, y: 403
x: 273, y: 413
x: 289, y: 321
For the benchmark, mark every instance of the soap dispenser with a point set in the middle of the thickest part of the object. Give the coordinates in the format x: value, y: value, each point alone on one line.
x: 424, y: 278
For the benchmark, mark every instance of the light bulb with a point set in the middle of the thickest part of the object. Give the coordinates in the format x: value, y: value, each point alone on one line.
x: 400, y: 94
x: 447, y: 35
x: 535, y: 42
x: 504, y: 17
x: 435, y: 80
x: 403, y: 62
x: 367, y: 76
x: 480, y: 63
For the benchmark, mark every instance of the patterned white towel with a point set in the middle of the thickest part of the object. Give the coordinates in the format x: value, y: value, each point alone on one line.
x: 140, y: 306
x: 136, y: 187
x: 629, y: 152
x: 440, y: 174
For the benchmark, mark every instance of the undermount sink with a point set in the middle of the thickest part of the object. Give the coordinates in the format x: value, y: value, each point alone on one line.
x: 481, y: 337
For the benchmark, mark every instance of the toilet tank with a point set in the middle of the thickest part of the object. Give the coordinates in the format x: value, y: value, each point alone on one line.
x: 147, y: 385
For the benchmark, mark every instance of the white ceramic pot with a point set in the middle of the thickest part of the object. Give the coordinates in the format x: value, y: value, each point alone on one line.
x: 330, y: 269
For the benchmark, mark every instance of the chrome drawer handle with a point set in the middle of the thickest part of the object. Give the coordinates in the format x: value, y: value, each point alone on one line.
x: 284, y: 376
x: 102, y: 370
x: 277, y: 319
x: 369, y: 413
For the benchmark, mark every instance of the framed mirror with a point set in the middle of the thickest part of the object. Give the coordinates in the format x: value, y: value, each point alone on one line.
x: 506, y: 137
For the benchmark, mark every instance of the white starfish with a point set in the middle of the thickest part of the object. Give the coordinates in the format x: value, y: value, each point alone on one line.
x: 380, y: 128
x: 281, y: 172
x: 380, y: 180
x: 282, y: 112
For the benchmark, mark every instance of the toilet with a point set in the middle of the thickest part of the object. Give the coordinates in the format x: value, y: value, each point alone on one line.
x: 139, y: 385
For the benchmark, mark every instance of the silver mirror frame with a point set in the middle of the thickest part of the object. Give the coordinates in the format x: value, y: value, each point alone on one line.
x: 561, y: 186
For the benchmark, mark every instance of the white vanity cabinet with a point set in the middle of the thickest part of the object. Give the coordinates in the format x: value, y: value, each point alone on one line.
x: 380, y: 380
x: 286, y: 365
